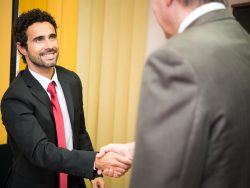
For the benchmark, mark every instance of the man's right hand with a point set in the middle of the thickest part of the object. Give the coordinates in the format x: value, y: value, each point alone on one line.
x: 117, y: 164
x: 126, y: 150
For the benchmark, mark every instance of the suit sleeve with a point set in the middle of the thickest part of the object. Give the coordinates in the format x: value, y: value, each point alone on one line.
x: 83, y: 139
x: 26, y: 133
x: 170, y: 147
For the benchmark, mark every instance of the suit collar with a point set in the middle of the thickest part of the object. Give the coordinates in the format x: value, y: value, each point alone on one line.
x: 44, y: 81
x: 213, y: 16
x: 198, y: 12
x: 36, y: 89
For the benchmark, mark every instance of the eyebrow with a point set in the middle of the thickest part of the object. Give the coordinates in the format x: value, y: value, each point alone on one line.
x: 38, y: 37
x: 53, y: 35
x: 42, y: 36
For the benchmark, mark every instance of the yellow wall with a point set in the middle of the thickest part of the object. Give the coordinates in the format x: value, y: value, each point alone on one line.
x: 111, y: 51
x: 5, y: 38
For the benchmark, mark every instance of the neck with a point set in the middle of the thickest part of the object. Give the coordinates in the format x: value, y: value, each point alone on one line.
x: 47, y: 72
x: 183, y: 12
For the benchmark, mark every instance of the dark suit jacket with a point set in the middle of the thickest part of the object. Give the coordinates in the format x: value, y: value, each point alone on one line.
x: 194, y: 114
x: 28, y: 117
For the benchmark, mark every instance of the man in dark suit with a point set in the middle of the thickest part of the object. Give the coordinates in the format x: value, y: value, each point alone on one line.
x: 194, y: 115
x: 31, y: 121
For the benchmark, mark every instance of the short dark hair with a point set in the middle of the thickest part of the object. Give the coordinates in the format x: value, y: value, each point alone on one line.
x: 25, y: 20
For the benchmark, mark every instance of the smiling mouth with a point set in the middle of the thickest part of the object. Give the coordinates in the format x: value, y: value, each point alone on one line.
x: 49, y: 54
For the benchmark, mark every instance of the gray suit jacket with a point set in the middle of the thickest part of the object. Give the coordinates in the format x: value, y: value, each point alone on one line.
x: 194, y: 112
x: 28, y: 117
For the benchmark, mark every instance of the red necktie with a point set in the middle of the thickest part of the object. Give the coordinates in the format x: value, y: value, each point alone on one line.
x: 59, y: 127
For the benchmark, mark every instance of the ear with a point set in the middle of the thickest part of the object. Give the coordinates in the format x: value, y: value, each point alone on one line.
x: 21, y: 49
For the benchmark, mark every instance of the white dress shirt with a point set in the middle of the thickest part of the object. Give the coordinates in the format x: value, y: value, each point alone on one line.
x: 66, y: 120
x: 198, y: 12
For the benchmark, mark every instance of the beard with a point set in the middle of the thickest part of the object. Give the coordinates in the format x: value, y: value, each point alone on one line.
x: 41, y: 61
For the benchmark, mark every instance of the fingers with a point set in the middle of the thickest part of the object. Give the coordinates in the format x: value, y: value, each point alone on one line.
x: 117, y: 164
x: 126, y: 150
x: 112, y: 173
x: 98, y: 183
x: 119, y: 171
x: 114, y: 160
x: 94, y: 184
x: 123, y: 159
x: 101, y: 185
x: 104, y: 150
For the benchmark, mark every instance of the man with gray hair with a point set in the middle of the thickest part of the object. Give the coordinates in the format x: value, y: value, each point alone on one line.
x: 193, y: 121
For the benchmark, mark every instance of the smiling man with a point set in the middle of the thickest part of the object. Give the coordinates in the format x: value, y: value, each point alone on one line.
x: 43, y: 115
x: 41, y: 50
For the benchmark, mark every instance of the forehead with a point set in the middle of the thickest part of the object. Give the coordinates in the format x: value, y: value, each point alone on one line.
x: 40, y: 29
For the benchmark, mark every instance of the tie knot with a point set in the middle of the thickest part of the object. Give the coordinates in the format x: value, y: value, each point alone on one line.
x: 51, y: 88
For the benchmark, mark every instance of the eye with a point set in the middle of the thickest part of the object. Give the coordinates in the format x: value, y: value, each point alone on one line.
x: 53, y: 37
x: 39, y: 39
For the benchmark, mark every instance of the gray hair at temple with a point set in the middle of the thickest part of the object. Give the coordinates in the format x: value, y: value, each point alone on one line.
x: 201, y: 2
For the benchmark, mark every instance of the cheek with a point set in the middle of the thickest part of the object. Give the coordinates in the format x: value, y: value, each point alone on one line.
x: 154, y: 7
x: 55, y: 44
x: 33, y: 49
x: 159, y: 19
x: 157, y: 10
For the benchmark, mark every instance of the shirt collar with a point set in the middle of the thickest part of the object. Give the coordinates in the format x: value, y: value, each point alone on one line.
x: 198, y: 12
x: 44, y: 81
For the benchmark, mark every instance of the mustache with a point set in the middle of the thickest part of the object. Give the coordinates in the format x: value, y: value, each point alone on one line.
x: 51, y: 50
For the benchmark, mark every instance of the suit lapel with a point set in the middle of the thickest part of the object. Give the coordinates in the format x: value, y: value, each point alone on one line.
x: 40, y: 94
x: 37, y: 90
x: 67, y: 94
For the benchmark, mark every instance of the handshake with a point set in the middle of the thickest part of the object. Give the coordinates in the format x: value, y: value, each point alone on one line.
x: 115, y: 160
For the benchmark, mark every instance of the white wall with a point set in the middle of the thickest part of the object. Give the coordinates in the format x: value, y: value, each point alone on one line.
x: 155, y: 36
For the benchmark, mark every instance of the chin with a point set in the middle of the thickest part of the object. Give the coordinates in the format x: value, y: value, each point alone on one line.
x: 51, y: 64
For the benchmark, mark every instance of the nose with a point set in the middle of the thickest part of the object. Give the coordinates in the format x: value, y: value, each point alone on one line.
x: 48, y: 43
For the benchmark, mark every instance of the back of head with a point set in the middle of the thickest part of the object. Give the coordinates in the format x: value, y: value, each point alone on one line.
x: 201, y: 2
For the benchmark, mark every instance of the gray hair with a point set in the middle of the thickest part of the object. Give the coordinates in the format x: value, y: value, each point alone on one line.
x: 201, y: 2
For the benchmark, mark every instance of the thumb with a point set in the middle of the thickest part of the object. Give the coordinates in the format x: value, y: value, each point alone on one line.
x: 103, y: 150
x: 101, y: 153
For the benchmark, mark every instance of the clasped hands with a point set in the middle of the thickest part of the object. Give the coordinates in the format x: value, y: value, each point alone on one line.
x: 115, y: 160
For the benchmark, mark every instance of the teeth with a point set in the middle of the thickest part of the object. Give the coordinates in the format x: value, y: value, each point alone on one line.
x: 49, y: 56
x: 48, y: 53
